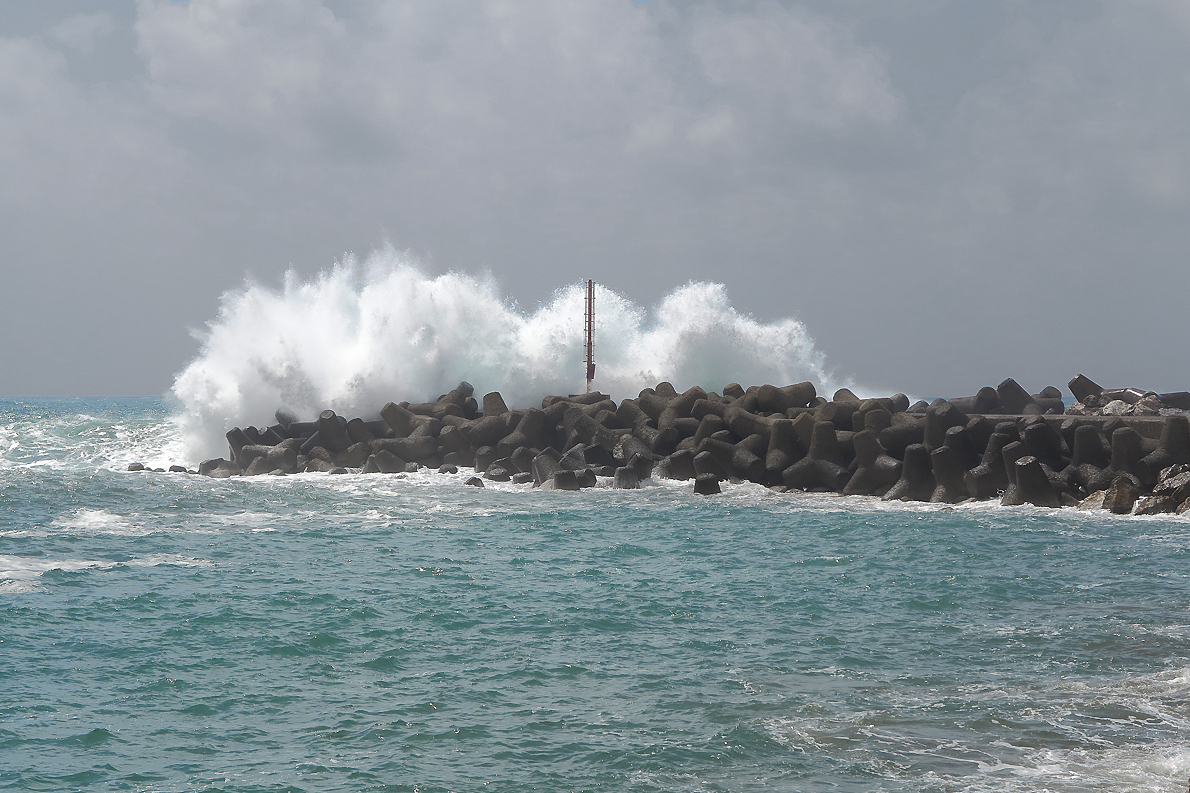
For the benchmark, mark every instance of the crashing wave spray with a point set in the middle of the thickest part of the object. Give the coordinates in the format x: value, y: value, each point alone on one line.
x: 353, y: 343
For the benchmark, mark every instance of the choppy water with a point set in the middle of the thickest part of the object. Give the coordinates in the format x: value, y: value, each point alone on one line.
x: 165, y: 632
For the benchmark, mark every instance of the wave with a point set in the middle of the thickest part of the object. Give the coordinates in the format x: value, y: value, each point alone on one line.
x: 357, y: 337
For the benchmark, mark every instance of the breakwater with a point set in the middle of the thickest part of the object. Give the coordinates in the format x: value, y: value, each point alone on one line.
x: 1125, y: 450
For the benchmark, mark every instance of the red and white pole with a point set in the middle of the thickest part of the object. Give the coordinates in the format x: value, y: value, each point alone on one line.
x: 590, y: 333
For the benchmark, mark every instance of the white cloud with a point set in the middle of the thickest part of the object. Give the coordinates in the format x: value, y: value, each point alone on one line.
x: 651, y: 142
x: 81, y: 31
x: 808, y: 71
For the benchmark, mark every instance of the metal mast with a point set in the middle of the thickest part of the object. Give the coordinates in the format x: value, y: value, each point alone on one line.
x: 590, y: 315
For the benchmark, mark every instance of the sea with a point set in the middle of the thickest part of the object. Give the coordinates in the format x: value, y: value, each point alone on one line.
x: 170, y: 632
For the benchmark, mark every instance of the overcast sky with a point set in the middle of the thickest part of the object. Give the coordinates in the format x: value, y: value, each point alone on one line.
x: 946, y: 193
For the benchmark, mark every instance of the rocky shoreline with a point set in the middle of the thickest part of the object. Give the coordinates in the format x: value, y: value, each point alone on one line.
x: 1125, y: 450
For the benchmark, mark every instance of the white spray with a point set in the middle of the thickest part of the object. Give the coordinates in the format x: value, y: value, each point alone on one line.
x: 353, y: 343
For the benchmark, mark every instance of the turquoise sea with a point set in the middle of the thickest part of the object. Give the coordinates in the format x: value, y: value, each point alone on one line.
x: 167, y: 632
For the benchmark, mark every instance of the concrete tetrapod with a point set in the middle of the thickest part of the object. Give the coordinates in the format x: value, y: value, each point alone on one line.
x: 822, y: 466
x: 1031, y: 485
x: 917, y: 478
x: 875, y: 471
x: 989, y: 477
x: 949, y: 477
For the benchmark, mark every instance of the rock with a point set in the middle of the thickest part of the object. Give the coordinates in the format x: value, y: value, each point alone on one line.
x: 1148, y: 405
x: 1117, y: 407
x: 448, y: 469
x: 1122, y: 495
x: 706, y: 485
x: 1093, y: 501
x: 1157, y: 504
x: 522, y: 478
x: 474, y: 481
x: 1175, y: 478
x: 136, y: 466
x: 178, y: 469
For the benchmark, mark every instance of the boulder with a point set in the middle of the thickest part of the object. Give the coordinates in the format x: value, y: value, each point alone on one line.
x: 1122, y: 495
x: 706, y: 485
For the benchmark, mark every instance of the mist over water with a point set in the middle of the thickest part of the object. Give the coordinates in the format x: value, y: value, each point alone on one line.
x: 357, y: 337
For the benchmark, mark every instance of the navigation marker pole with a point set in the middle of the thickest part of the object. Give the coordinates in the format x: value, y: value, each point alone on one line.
x: 590, y: 315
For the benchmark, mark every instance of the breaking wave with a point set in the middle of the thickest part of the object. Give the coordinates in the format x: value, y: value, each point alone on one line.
x: 357, y: 337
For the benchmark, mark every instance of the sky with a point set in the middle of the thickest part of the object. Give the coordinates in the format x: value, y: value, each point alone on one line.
x: 945, y: 193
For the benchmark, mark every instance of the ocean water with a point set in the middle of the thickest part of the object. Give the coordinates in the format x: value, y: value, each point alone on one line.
x: 166, y: 632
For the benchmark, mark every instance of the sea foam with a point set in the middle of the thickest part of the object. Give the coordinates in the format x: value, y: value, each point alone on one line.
x: 358, y: 336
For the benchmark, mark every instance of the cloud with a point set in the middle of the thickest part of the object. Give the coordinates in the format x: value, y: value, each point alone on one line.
x: 81, y: 31
x: 942, y: 166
